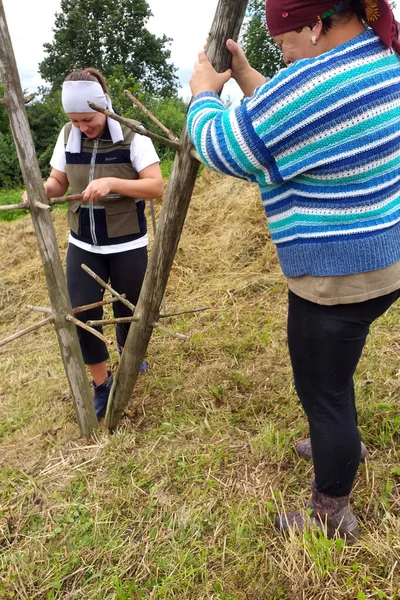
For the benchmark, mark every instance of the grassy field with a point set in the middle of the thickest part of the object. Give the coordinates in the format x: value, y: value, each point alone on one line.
x: 10, y: 197
x: 179, y: 503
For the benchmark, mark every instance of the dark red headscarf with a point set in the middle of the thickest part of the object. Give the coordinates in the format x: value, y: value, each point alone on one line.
x: 288, y: 15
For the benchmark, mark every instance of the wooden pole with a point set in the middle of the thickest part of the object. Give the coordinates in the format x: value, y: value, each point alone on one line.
x: 136, y: 127
x: 152, y: 117
x: 50, y: 201
x: 120, y: 297
x: 46, y: 237
x: 27, y: 99
x: 15, y: 336
x: 227, y: 23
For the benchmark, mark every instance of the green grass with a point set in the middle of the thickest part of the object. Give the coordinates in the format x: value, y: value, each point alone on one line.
x: 179, y: 503
x: 11, y: 197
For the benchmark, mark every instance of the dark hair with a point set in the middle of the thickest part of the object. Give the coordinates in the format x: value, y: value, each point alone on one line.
x: 88, y: 74
x: 355, y: 8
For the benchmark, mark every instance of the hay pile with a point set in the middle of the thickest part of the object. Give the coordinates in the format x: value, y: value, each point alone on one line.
x: 180, y: 502
x: 225, y: 260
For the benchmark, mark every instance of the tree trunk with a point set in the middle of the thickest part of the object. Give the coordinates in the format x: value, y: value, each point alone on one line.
x: 46, y: 237
x: 227, y: 23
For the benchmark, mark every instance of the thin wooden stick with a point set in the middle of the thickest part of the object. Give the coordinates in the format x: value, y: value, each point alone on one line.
x: 80, y: 309
x: 108, y: 287
x: 63, y: 199
x: 27, y: 99
x: 136, y: 127
x: 183, y: 312
x: 41, y: 309
x: 180, y: 336
x: 152, y: 117
x: 43, y: 206
x: 79, y: 323
x: 21, y: 206
x: 112, y: 321
x: 157, y: 325
x: 27, y: 206
x: 15, y: 336
x: 77, y: 309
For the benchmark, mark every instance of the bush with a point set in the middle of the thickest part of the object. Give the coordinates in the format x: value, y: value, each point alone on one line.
x: 10, y: 172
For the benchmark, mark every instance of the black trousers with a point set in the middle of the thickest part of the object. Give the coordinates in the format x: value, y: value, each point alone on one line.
x: 325, y: 345
x: 124, y: 270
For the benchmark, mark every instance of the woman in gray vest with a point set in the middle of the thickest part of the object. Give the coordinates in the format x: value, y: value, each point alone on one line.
x: 115, y: 170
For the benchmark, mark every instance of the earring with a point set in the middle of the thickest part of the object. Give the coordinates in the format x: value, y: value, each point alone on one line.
x: 314, y: 40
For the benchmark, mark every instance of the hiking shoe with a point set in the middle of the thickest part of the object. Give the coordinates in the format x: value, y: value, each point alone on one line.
x: 143, y: 367
x: 101, y: 394
x: 323, y: 511
x: 304, y: 450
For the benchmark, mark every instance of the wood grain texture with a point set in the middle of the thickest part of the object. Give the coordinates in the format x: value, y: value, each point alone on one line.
x: 227, y: 23
x: 46, y: 237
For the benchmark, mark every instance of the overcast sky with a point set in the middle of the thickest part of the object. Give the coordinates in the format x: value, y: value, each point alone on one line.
x: 187, y: 22
x: 31, y: 22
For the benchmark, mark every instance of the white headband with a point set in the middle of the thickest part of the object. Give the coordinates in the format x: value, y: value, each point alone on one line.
x: 76, y: 94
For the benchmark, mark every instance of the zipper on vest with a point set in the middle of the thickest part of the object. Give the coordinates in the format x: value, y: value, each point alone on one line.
x: 91, y: 208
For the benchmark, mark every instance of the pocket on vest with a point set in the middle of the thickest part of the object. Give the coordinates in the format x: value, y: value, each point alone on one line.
x: 121, y: 218
x: 73, y: 217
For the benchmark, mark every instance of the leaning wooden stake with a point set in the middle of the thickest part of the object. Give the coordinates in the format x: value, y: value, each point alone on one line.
x: 46, y: 237
x: 152, y: 117
x: 227, y: 23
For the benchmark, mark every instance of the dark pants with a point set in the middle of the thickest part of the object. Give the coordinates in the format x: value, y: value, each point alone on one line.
x: 125, y: 272
x: 325, y: 345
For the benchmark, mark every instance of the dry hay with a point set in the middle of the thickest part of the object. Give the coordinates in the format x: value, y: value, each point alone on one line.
x: 184, y: 494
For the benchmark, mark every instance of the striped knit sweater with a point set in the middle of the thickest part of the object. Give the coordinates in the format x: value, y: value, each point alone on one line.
x: 322, y: 141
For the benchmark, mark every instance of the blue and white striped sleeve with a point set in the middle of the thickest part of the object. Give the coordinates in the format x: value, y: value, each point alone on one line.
x: 227, y: 142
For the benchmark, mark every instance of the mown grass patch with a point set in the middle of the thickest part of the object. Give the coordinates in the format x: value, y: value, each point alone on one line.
x: 180, y: 502
x: 11, y: 196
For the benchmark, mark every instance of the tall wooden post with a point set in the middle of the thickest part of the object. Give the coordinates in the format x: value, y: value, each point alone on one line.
x: 45, y: 234
x: 227, y: 23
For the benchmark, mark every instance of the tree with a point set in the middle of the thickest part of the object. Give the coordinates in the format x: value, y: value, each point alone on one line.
x: 261, y: 51
x: 258, y: 45
x: 106, y: 33
x: 46, y: 118
x: 171, y: 111
x: 10, y: 172
x: 4, y: 124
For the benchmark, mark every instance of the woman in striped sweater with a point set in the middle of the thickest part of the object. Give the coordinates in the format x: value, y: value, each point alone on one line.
x: 322, y: 141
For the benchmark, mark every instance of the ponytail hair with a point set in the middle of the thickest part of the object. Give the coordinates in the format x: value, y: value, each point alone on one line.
x: 89, y: 74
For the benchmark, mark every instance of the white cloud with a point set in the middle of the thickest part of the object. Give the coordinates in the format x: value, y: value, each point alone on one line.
x: 30, y: 24
x: 31, y: 21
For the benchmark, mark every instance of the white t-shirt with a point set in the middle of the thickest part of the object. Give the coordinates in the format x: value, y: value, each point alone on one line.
x: 143, y: 155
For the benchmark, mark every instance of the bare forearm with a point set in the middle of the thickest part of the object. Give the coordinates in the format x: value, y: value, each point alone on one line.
x: 54, y: 189
x: 249, y: 80
x: 145, y: 189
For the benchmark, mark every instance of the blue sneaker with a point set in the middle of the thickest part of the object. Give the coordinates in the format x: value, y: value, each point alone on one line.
x: 143, y: 367
x: 101, y: 394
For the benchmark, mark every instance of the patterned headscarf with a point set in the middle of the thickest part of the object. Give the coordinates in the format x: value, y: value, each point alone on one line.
x: 288, y: 15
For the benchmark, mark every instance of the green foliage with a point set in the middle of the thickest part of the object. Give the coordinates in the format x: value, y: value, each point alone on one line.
x: 46, y: 118
x: 9, y: 196
x: 4, y: 124
x: 105, y: 34
x: 262, y: 53
x: 171, y: 111
x: 10, y: 173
